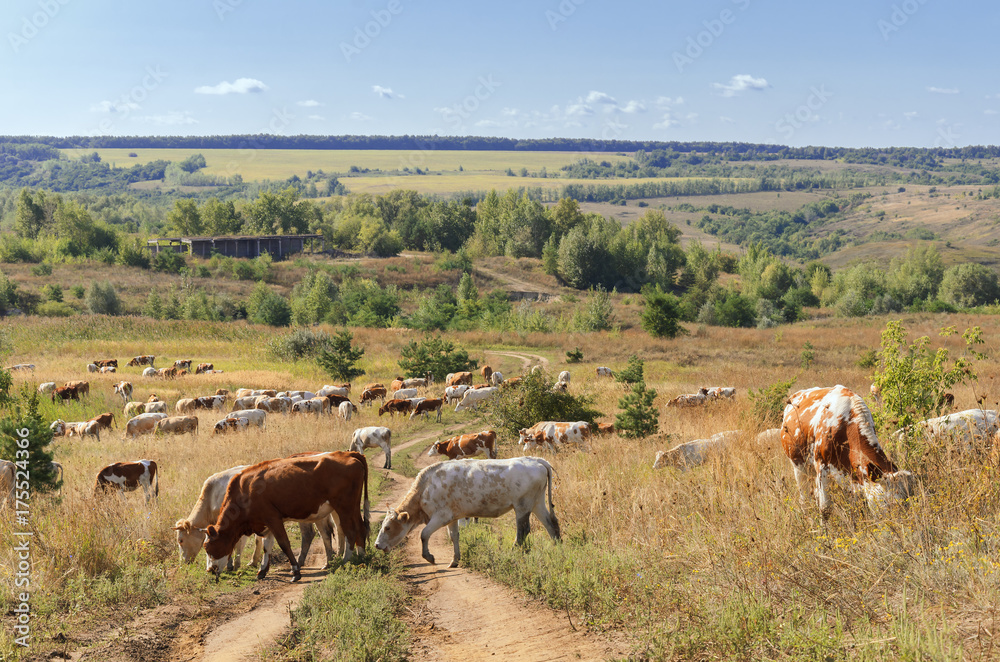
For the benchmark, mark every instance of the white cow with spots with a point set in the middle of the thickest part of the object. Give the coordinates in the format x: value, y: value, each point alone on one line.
x: 445, y: 492
x: 604, y: 371
x: 969, y: 428
x: 46, y: 387
x: 475, y: 397
x: 347, y: 409
x: 124, y: 389
x: 373, y: 437
x: 142, y: 424
x: 554, y: 434
x: 693, y: 453
x: 150, y: 372
x: 256, y: 417
x: 455, y: 393
x: 404, y: 394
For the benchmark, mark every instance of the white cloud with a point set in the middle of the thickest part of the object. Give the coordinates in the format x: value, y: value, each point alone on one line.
x: 318, y: 118
x: 172, y: 118
x: 579, y: 109
x: 360, y: 117
x: 386, y: 92
x: 601, y: 97
x: 989, y: 111
x: 666, y: 102
x: 741, y: 83
x: 510, y: 112
x: 911, y: 115
x: 309, y: 103
x: 668, y: 122
x: 892, y: 125
x: 114, y: 106
x: 943, y: 90
x: 239, y: 86
x: 633, y: 107
x: 727, y: 120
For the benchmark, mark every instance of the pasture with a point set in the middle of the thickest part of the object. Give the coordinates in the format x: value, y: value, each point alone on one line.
x: 715, y: 562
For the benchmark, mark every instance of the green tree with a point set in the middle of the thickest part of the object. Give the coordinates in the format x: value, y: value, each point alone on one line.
x: 767, y: 404
x: 565, y: 215
x: 102, y: 299
x: 29, y: 219
x: 574, y: 356
x: 339, y: 358
x: 435, y: 355
x: 33, y: 455
x: 220, y: 218
x: 550, y: 256
x: 154, y: 306
x: 133, y: 254
x: 661, y: 313
x: 969, y: 284
x: 639, y: 417
x: 185, y: 219
x: 633, y: 372
x: 533, y: 400
x: 599, y: 314
x: 917, y: 276
x: 267, y: 307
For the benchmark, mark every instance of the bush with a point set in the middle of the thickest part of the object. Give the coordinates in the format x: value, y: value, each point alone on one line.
x: 15, y: 417
x: 639, y: 417
x: 436, y: 356
x: 78, y: 291
x: 598, y: 314
x: 300, y: 343
x: 103, y: 300
x: 574, y: 356
x: 767, y: 405
x: 339, y: 359
x: 532, y: 401
x: 134, y: 254
x: 661, y: 314
x: 631, y: 373
x: 169, y: 261
x: 267, y: 307
x: 43, y: 269
x: 970, y: 284
x: 55, y: 309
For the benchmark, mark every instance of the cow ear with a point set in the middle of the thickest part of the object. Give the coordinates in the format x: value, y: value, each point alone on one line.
x: 212, y: 532
x: 404, y: 517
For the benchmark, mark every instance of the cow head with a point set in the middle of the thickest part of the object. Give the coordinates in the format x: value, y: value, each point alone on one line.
x: 665, y: 459
x: 189, y: 540
x: 394, y: 528
x: 436, y: 448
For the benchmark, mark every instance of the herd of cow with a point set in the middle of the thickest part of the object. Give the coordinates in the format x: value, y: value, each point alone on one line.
x: 828, y: 435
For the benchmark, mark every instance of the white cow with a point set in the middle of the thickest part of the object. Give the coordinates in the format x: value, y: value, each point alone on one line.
x: 693, y: 453
x: 134, y: 409
x: 142, y: 424
x: 149, y: 372
x: 305, y: 395
x: 156, y: 407
x: 373, y: 437
x: 496, y: 378
x: 124, y: 389
x: 92, y: 367
x: 347, y: 409
x: 84, y: 429
x: 969, y: 427
x: 474, y: 397
x: 445, y: 492
x: 455, y: 393
x: 603, y: 371
x: 330, y: 390
x: 231, y: 424
x: 46, y: 387
x: 245, y: 402
x: 404, y: 394
x: 563, y: 376
x: 257, y: 417
x: 553, y: 434
x: 108, y: 368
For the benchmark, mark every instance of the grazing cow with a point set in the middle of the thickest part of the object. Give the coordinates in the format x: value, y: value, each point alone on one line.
x: 455, y: 393
x: 106, y: 363
x: 404, y: 393
x: 336, y: 400
x: 246, y: 402
x: 395, y: 406
x: 93, y: 367
x: 970, y: 428
x: 8, y: 475
x: 603, y: 371
x: 191, y: 530
x: 373, y: 437
x: 445, y: 492
x: 487, y: 372
x: 46, y: 387
x: 273, y: 405
x: 560, y: 387
x: 185, y: 405
x: 605, y: 429
x: 428, y: 404
x: 107, y: 369
x: 563, y: 376
x: 347, y: 409
x: 693, y: 453
x: 134, y: 409
x: 144, y: 359
x: 167, y: 373
x: 396, y: 384
x: 157, y: 407
x: 182, y: 364
x: 177, y: 425
x: 467, y: 445
x: 210, y: 402
x: 105, y: 420
x: 255, y: 416
x: 496, y: 379
x: 82, y: 388
x: 315, y: 405
x: 124, y: 389
x: 21, y: 366
x: 142, y: 424
x: 204, y: 367
x: 150, y: 372
x: 64, y: 393
x: 770, y: 438
x: 717, y: 392
x: 690, y: 399
x: 333, y: 390
x: 513, y: 381
x: 474, y: 397
x: 459, y: 378
x: 153, y: 398
x: 230, y: 425
x: 58, y: 427
x: 369, y: 395
x: 416, y: 382
x: 372, y: 385
x: 84, y: 429
x: 553, y: 434
x: 302, y: 489
x: 830, y: 432
x: 127, y: 477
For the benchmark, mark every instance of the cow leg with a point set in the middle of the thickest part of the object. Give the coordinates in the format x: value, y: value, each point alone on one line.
x: 308, y: 533
x: 236, y: 558
x: 326, y: 529
x: 523, y: 526
x: 453, y: 533
x: 802, y: 481
x: 258, y: 550
x: 282, y: 537
x: 388, y: 456
x: 265, y: 559
x: 547, y: 518
x: 822, y: 495
x: 435, y: 523
x: 341, y: 537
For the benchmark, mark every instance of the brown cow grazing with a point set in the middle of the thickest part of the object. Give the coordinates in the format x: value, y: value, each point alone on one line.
x: 486, y: 371
x: 144, y: 359
x: 64, y: 393
x: 459, y: 378
x: 222, y: 391
x: 397, y: 406
x: 369, y: 395
x: 396, y: 384
x: 202, y: 367
x: 153, y: 398
x: 167, y: 373
x: 373, y: 385
x: 182, y: 364
x: 508, y: 383
x: 106, y: 363
x: 605, y: 428
x: 177, y: 425
x: 82, y: 388
x: 467, y: 445
x: 105, y: 420
x: 128, y: 477
x: 302, y: 489
x: 829, y: 432
x: 428, y: 404
x: 335, y: 400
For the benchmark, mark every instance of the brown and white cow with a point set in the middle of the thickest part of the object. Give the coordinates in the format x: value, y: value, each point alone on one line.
x: 177, y: 425
x: 553, y: 434
x: 475, y: 397
x: 604, y: 371
x: 128, y: 477
x: 426, y: 405
x: 157, y: 407
x: 829, y: 432
x: 347, y: 409
x: 264, y: 496
x: 63, y: 393
x: 395, y: 406
x: 142, y: 424
x: 445, y: 492
x: 204, y: 367
x: 459, y: 378
x: 183, y: 364
x: 143, y: 359
x: 231, y: 425
x: 487, y: 372
x: 695, y: 452
x: 369, y: 395
x: 455, y: 393
x: 124, y: 389
x: 108, y: 369
x: 605, y: 429
x: 105, y: 420
x: 467, y: 445
x: 373, y: 437
x: 690, y: 399
x: 396, y: 384
x: 106, y: 363
x: 256, y: 417
x: 134, y: 409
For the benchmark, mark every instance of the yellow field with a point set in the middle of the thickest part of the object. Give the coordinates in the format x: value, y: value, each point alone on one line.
x: 278, y: 164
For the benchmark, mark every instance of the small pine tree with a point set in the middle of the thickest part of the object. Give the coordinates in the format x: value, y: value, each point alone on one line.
x: 102, y: 299
x: 154, y: 306
x: 574, y: 356
x: 340, y: 358
x: 632, y: 373
x: 16, y: 418
x: 639, y: 417
x: 436, y: 356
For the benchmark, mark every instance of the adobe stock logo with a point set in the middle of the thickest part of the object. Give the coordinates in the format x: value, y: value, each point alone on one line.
x: 30, y: 27
x: 714, y: 28
x: 805, y: 113
x: 371, y: 30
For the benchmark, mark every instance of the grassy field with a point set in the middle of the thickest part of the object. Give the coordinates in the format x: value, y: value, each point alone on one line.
x: 716, y: 562
x: 280, y: 164
x: 454, y: 182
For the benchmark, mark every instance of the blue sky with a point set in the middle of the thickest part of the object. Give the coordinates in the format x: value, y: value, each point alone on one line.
x: 851, y: 73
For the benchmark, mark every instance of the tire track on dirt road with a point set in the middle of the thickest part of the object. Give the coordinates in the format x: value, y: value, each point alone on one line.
x: 526, y: 359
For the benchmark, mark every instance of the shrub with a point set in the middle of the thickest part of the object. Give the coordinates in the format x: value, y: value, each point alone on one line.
x: 169, y: 261
x: 767, y: 405
x: 19, y: 415
x: 43, y: 269
x: 134, y: 254
x: 631, y: 373
x: 639, y: 417
x: 574, y: 356
x: 154, y: 306
x: 598, y: 314
x: 267, y: 307
x: 339, y: 359
x: 55, y: 309
x: 532, y: 401
x: 969, y: 284
x: 298, y: 344
x: 103, y: 300
x: 661, y: 314
x: 78, y: 291
x: 436, y: 356
x: 53, y: 292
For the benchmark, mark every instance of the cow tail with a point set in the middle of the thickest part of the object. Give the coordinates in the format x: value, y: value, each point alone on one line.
x: 367, y: 510
x: 548, y: 470
x: 156, y: 479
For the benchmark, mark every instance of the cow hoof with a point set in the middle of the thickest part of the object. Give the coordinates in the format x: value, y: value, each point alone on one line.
x: 454, y: 564
x: 296, y: 577
x: 430, y: 558
x: 261, y: 575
